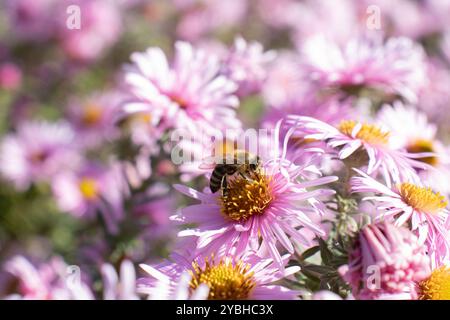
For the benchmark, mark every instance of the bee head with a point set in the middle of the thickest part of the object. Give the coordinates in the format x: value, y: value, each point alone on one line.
x: 255, y: 164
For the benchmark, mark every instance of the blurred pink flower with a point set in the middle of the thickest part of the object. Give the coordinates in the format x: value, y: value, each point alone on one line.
x: 201, y: 17
x: 37, y: 151
x: 188, y: 94
x: 94, y: 118
x: 47, y: 281
x: 247, y: 64
x: 227, y: 278
x: 92, y: 189
x: 386, y: 263
x: 435, y: 96
x: 343, y: 21
x: 31, y: 20
x: 101, y: 27
x: 119, y: 289
x: 10, y: 76
x: 396, y: 66
x: 411, y: 131
x: 411, y: 204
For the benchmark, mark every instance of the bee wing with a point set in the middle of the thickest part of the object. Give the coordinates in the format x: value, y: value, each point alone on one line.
x: 208, y: 163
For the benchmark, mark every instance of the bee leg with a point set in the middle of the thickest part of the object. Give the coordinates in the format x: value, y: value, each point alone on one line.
x: 224, y: 186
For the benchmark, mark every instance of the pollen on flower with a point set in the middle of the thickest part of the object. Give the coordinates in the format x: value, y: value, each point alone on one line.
x: 437, y: 286
x: 226, y: 281
x: 421, y: 198
x: 91, y: 115
x: 368, y: 133
x: 246, y: 196
x: 88, y: 188
x: 423, y: 145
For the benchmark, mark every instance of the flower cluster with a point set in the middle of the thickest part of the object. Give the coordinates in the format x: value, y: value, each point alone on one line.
x: 149, y: 150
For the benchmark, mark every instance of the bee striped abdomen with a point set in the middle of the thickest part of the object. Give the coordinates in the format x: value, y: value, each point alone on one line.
x: 219, y: 173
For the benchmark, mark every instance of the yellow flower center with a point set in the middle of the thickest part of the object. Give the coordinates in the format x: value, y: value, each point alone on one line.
x: 420, y: 198
x: 246, y: 197
x: 437, y: 286
x: 88, y: 188
x: 92, y: 114
x: 226, y: 281
x: 368, y: 133
x: 422, y: 145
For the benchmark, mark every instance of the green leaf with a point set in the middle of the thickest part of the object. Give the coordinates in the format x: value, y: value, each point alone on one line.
x: 325, y: 253
x: 308, y: 253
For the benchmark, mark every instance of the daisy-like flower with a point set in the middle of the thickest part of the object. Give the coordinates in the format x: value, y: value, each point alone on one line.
x: 246, y: 64
x: 436, y: 286
x: 395, y: 67
x: 228, y: 278
x: 416, y: 135
x: 368, y: 144
x: 119, y: 289
x: 89, y: 190
x: 31, y: 20
x: 101, y: 27
x: 385, y: 263
x: 37, y: 151
x: 202, y: 18
x: 94, y: 118
x: 46, y: 281
x: 414, y: 205
x: 270, y: 205
x: 190, y: 93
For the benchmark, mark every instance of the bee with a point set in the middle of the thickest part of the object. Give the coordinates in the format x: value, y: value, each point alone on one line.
x: 243, y: 163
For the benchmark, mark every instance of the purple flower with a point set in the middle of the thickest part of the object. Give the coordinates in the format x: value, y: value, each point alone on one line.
x: 37, y: 151
x: 411, y: 204
x: 119, y: 289
x: 227, y: 278
x: 188, y: 94
x: 396, y: 67
x: 269, y: 206
x: 351, y: 137
x: 246, y: 64
x: 92, y: 189
x: 46, y: 281
x: 386, y: 263
x: 94, y: 118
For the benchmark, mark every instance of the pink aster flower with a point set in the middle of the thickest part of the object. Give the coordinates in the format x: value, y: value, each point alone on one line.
x: 37, y: 151
x: 396, y: 67
x: 328, y: 110
x: 89, y: 190
x: 227, y: 278
x: 94, y: 118
x: 190, y: 93
x: 100, y: 28
x: 31, y: 20
x: 46, y: 281
x: 246, y: 64
x: 414, y: 205
x: 386, y: 263
x: 271, y: 205
x: 368, y: 144
x: 284, y: 79
x: 411, y: 131
x: 119, y: 289
x: 435, y: 97
x: 203, y: 17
